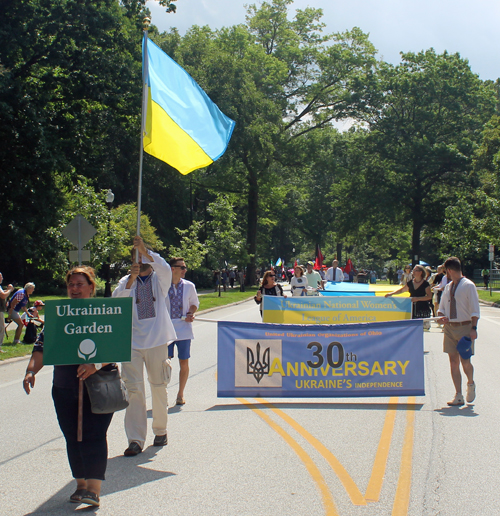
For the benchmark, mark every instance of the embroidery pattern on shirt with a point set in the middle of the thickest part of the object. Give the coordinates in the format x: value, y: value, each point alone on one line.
x: 145, y: 300
x: 175, y: 295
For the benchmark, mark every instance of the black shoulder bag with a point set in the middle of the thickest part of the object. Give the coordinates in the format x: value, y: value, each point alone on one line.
x: 107, y: 391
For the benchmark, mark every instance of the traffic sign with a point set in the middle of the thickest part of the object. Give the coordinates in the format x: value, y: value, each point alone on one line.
x: 79, y: 231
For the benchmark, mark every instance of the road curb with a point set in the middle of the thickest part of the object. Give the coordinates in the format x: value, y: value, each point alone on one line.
x: 489, y: 303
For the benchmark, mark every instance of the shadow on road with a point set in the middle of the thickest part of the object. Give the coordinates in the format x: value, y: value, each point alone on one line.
x: 323, y: 406
x: 465, y: 411
x: 122, y: 474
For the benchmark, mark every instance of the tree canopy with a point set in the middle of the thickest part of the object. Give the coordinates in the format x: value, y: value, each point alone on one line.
x: 417, y: 173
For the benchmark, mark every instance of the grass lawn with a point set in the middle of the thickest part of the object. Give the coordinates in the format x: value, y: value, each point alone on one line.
x: 209, y: 300
x: 485, y: 295
x: 212, y: 299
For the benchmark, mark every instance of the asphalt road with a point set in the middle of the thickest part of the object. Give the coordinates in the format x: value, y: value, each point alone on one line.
x: 373, y: 456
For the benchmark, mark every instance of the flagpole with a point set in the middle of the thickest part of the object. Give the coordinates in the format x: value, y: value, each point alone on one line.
x: 145, y: 73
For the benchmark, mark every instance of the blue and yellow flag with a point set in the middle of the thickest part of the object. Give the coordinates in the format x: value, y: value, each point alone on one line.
x: 183, y: 128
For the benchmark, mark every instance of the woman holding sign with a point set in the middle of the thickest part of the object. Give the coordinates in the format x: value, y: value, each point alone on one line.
x: 268, y: 287
x: 420, y: 292
x: 88, y: 457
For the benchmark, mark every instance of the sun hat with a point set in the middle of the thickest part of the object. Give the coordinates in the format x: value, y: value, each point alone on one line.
x: 464, y: 347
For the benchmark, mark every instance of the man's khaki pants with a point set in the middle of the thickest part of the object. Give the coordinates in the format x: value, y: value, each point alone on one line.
x: 159, y: 371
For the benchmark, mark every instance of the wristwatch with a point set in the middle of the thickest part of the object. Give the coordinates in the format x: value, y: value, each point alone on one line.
x: 474, y: 328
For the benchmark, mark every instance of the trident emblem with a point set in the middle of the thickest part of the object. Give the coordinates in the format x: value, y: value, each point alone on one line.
x: 255, y: 366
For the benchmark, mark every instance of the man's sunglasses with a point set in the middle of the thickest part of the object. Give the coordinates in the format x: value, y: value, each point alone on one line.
x: 182, y: 267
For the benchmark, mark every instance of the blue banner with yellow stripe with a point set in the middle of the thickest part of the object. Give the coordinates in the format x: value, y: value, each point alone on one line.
x: 354, y: 360
x: 334, y: 309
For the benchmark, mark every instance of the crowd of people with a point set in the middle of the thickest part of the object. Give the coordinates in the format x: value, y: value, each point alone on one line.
x: 164, y: 307
x: 445, y: 294
x: 226, y: 278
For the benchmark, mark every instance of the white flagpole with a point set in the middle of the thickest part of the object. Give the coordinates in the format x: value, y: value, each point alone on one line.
x: 147, y: 21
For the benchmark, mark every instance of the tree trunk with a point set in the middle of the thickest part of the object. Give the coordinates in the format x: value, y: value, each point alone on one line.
x: 339, y: 253
x: 253, y: 206
x: 415, y: 242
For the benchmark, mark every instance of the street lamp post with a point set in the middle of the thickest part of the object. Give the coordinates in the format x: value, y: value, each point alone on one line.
x: 110, y: 197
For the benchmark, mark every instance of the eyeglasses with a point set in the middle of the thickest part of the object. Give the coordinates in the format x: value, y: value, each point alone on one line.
x: 182, y: 267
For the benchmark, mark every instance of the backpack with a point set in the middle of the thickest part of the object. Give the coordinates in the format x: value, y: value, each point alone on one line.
x: 30, y: 334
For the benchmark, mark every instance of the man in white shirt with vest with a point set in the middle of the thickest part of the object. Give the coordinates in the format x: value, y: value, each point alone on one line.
x: 182, y: 303
x: 459, y: 311
x: 152, y: 331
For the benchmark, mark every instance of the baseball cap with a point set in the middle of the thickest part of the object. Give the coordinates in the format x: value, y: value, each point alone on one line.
x: 310, y: 263
x: 464, y: 347
x: 39, y: 302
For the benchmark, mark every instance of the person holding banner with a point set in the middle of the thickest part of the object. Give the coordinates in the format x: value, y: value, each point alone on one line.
x: 313, y: 278
x: 406, y: 276
x: 88, y: 457
x: 152, y: 331
x: 182, y: 303
x: 298, y: 282
x: 268, y: 287
x: 459, y: 311
x: 420, y: 292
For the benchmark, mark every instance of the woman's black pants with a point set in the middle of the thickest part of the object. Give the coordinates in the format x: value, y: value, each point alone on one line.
x: 88, y: 458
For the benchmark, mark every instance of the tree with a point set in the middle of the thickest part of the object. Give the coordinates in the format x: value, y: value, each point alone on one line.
x: 225, y: 241
x: 472, y: 222
x: 427, y: 115
x: 112, y: 241
x: 278, y: 79
x: 191, y: 248
x: 70, y: 104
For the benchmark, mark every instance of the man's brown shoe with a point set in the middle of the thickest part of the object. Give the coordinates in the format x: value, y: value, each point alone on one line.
x: 132, y: 450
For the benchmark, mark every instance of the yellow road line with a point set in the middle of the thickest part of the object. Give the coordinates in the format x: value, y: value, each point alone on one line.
x: 379, y: 465
x: 349, y: 485
x: 402, y: 498
x: 326, y: 495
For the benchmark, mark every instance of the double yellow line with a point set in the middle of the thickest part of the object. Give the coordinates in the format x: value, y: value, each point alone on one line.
x: 402, y: 498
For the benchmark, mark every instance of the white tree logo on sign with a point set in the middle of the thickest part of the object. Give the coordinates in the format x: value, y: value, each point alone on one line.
x: 87, y: 349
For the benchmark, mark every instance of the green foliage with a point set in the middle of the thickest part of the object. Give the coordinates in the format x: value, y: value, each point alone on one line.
x: 426, y: 118
x: 278, y: 79
x: 70, y: 100
x: 116, y: 229
x: 191, y: 248
x: 225, y: 240
x: 419, y: 174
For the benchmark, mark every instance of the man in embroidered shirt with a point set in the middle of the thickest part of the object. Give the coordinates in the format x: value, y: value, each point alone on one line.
x: 152, y: 331
x: 459, y: 311
x: 182, y: 303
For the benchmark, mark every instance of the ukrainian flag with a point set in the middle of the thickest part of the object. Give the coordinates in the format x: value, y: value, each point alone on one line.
x: 183, y: 127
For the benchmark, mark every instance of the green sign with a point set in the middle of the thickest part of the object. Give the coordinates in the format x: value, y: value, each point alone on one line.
x: 87, y: 331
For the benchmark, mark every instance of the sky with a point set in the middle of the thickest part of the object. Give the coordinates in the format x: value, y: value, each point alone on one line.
x: 469, y: 27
